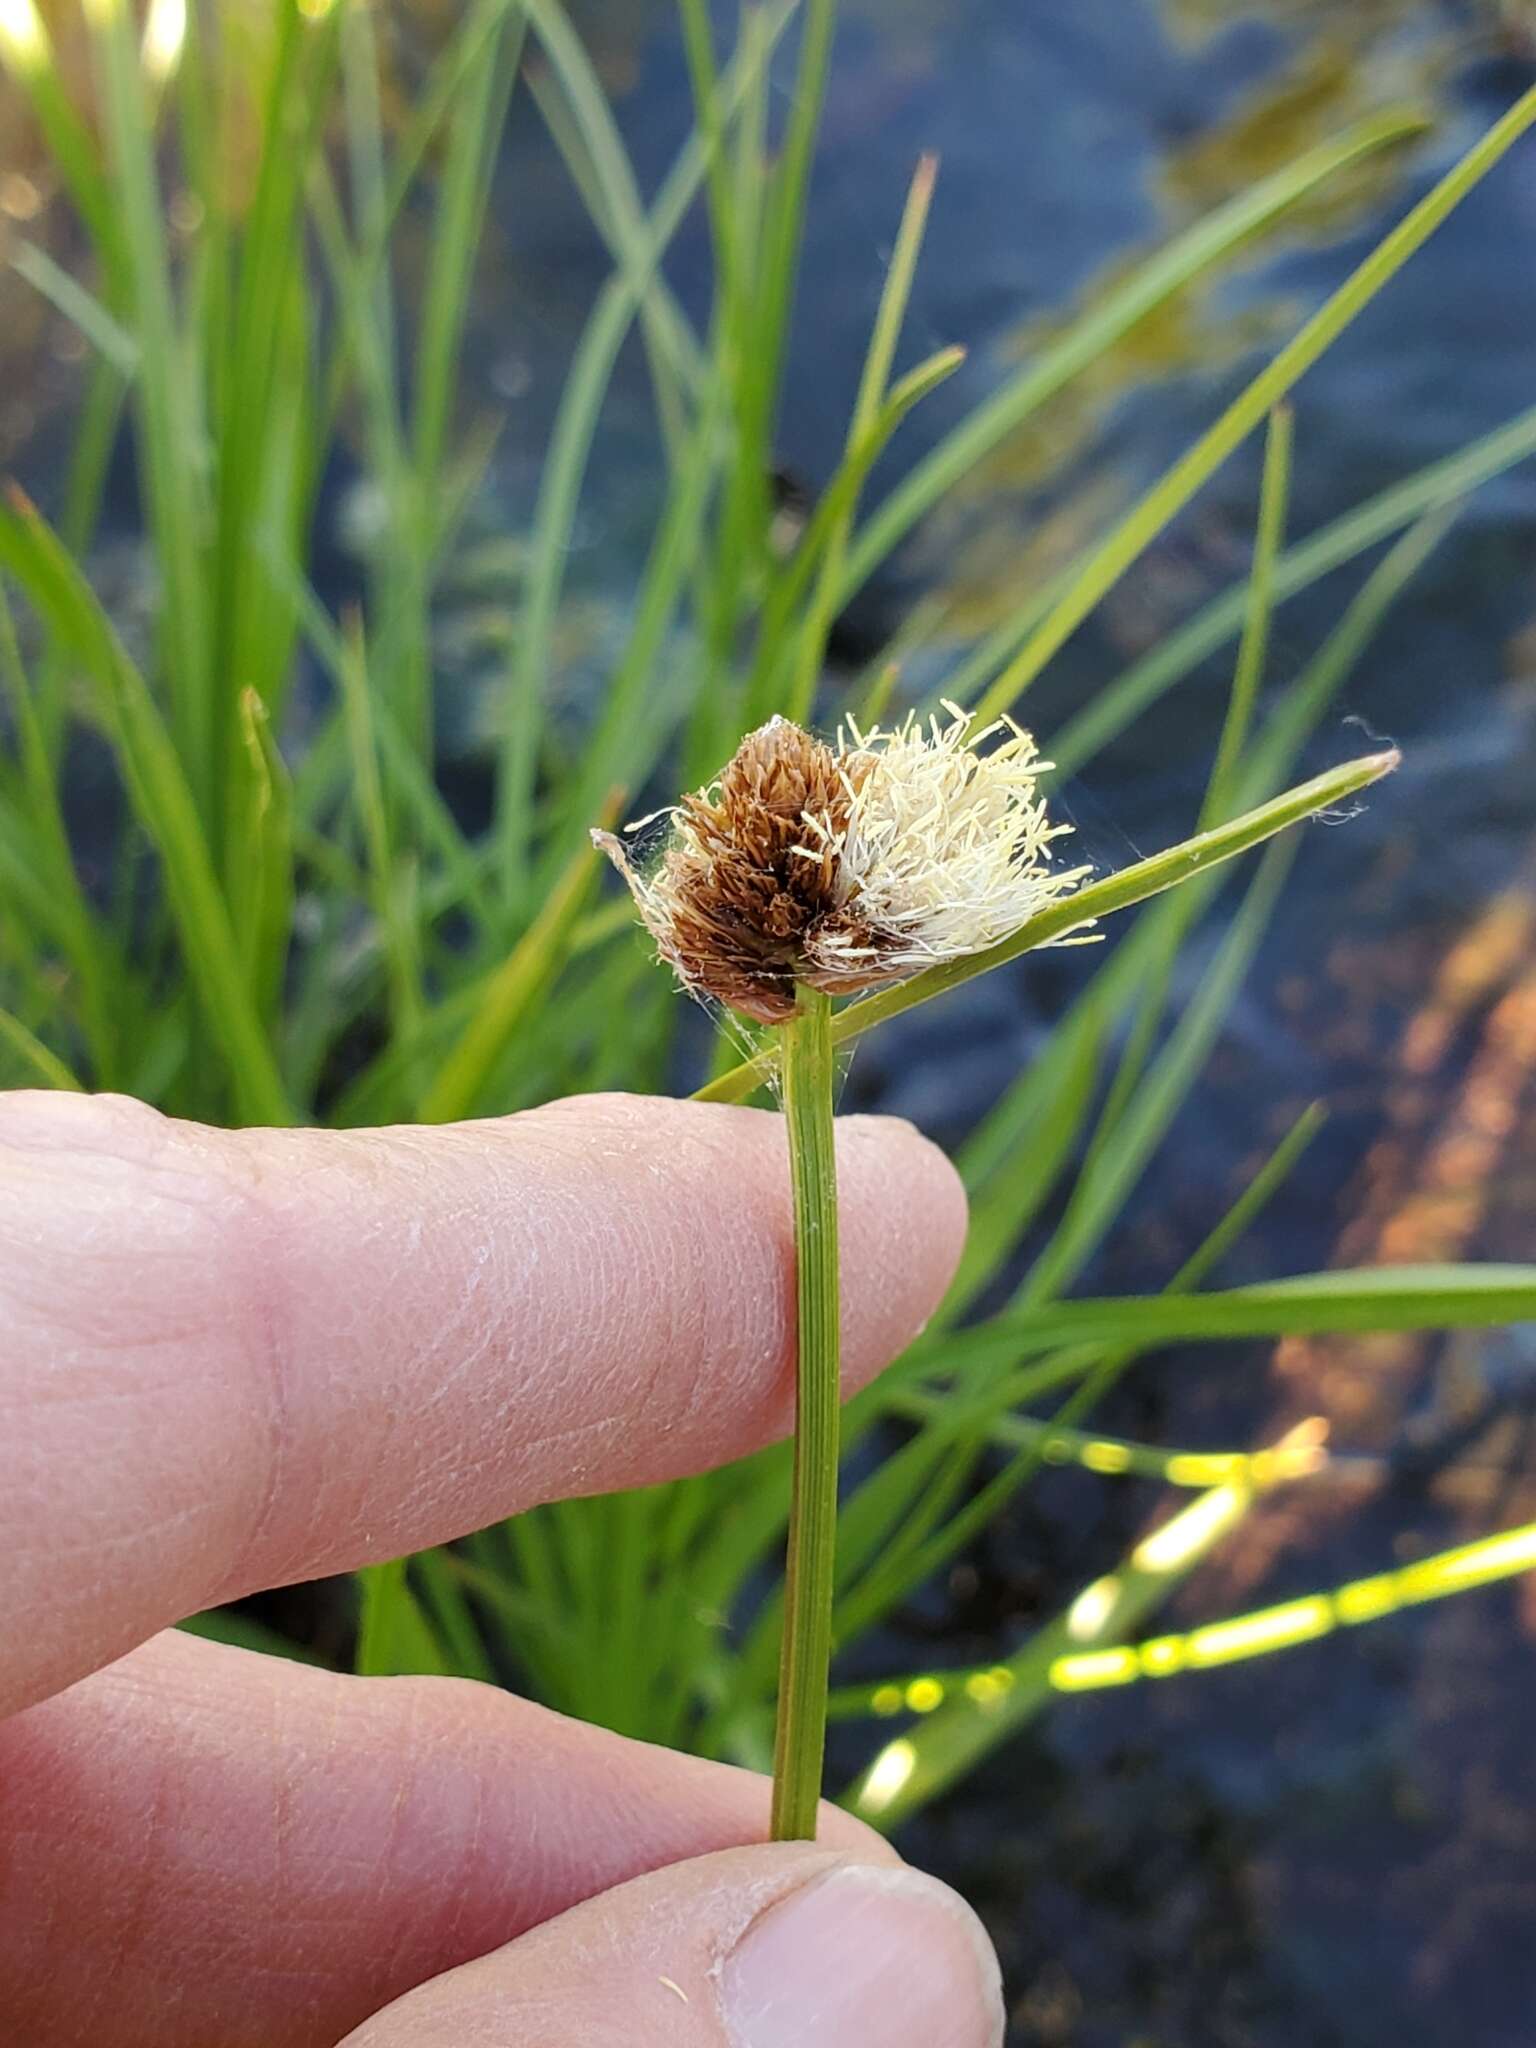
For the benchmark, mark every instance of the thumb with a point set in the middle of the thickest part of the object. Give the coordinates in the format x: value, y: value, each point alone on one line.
x: 783, y: 1947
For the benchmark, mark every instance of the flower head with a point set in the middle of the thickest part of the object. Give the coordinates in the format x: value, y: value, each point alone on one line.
x: 850, y: 865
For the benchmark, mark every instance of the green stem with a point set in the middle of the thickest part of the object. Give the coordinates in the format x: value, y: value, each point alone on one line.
x: 801, y: 1735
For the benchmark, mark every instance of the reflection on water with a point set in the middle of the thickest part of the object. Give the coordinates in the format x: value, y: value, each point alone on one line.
x: 1330, y: 82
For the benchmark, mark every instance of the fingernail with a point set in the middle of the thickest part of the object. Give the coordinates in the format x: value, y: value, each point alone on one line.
x: 866, y: 1953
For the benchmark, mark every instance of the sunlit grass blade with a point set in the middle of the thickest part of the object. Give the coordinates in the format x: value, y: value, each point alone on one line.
x: 1105, y: 1456
x: 877, y: 1510
x: 960, y: 1730
x: 931, y: 1536
x: 1308, y: 1619
x: 972, y: 1411
x: 509, y: 995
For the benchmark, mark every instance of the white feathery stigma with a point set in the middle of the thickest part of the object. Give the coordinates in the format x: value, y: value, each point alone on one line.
x: 945, y: 851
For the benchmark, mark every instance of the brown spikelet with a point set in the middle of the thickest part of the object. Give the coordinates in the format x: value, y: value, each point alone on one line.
x: 743, y: 884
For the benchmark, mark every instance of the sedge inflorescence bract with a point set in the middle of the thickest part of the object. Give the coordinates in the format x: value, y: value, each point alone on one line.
x: 850, y: 865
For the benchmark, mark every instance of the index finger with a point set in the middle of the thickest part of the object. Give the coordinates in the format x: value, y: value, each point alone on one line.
x: 239, y: 1359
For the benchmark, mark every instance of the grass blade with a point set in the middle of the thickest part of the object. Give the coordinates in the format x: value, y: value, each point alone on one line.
x: 1371, y: 1298
x: 509, y: 996
x: 561, y: 481
x: 873, y: 382
x: 1274, y: 493
x: 33, y: 1054
x: 1146, y: 681
x: 81, y: 308
x: 169, y: 421
x: 162, y: 799
x: 908, y: 1773
x: 394, y: 1636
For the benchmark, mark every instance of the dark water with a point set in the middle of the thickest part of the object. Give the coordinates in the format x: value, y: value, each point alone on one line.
x: 1337, y: 1845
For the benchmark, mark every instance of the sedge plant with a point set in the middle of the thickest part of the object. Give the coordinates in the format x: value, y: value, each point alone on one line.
x: 807, y: 871
x: 275, y: 914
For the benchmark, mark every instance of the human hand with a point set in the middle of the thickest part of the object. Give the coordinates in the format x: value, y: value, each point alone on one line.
x: 237, y: 1360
